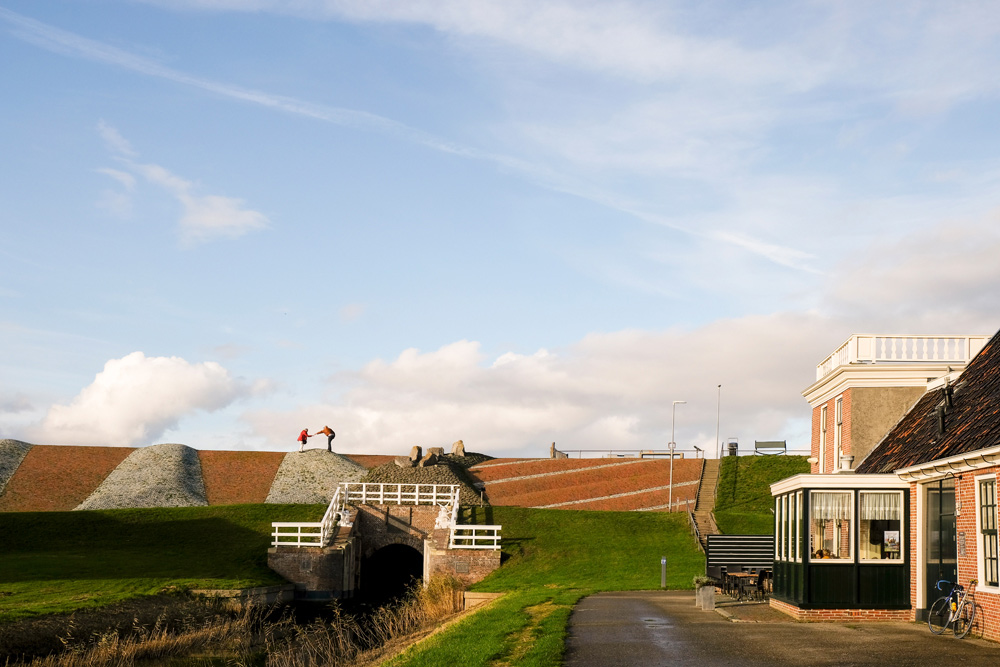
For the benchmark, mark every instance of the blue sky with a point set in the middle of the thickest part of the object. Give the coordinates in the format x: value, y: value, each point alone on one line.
x: 507, y: 222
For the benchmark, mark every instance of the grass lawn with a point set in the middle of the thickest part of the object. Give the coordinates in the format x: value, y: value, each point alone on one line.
x: 552, y: 559
x: 743, y: 499
x: 53, y: 562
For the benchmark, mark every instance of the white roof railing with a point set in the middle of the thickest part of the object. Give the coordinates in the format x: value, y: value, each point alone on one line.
x: 877, y: 349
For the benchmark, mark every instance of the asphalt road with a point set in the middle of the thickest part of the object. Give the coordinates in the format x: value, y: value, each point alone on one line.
x: 651, y: 628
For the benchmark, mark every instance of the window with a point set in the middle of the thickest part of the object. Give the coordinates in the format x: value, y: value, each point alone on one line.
x: 988, y: 530
x: 838, y: 433
x: 777, y: 527
x: 787, y: 524
x: 880, y: 535
x: 822, y: 439
x: 797, y: 528
x: 830, y: 525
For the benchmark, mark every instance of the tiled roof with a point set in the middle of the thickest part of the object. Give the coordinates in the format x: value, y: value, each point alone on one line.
x: 971, y: 423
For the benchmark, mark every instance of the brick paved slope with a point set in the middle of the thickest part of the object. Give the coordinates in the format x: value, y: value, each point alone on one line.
x: 235, y: 478
x: 53, y: 477
x: 604, y: 484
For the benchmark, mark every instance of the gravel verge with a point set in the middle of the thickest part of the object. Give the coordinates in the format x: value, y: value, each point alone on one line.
x: 310, y: 477
x: 167, y: 475
x: 12, y: 452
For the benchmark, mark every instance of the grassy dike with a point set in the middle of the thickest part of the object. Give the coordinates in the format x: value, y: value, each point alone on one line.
x: 552, y: 559
x: 57, y: 562
x: 743, y: 499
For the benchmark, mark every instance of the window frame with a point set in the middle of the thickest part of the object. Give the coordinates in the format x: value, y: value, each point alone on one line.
x: 852, y: 494
x: 838, y: 432
x: 822, y: 439
x: 798, y: 527
x: 981, y: 536
x: 902, y: 529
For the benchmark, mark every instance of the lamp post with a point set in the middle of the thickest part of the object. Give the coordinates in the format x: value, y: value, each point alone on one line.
x: 671, y: 447
x: 718, y: 421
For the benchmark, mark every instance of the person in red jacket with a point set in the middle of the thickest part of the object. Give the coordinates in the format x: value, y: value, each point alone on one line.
x: 303, y: 437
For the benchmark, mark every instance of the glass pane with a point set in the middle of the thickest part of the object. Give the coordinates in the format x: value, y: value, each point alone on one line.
x: 830, y: 525
x: 879, y: 529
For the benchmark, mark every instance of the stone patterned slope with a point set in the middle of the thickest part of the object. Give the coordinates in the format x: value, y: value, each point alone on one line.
x: 311, y: 476
x: 12, y: 452
x: 167, y: 475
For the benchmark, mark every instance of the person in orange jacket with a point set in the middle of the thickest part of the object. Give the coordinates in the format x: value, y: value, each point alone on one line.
x: 330, y: 435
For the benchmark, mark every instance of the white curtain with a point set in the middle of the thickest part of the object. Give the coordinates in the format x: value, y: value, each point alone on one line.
x: 879, y: 506
x: 830, y: 505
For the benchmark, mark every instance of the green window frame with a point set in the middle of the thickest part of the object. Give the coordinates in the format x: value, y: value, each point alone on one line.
x: 988, y: 530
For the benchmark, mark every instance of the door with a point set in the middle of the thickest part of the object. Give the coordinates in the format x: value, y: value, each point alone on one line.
x: 941, y: 546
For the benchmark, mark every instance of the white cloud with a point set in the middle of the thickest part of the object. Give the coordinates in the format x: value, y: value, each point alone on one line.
x: 203, y: 218
x: 136, y: 398
x: 352, y: 312
x: 945, y: 276
x: 606, y: 391
x: 115, y: 142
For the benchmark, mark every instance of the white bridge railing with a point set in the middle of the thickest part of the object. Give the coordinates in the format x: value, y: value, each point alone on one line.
x: 398, y: 494
x: 871, y: 349
x: 319, y: 534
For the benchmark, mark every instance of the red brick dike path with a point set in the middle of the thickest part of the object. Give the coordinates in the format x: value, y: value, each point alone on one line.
x: 651, y: 628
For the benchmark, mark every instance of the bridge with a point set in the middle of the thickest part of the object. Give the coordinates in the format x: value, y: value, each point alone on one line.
x: 374, y: 537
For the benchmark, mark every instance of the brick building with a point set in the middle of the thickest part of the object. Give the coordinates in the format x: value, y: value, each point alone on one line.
x: 882, y: 519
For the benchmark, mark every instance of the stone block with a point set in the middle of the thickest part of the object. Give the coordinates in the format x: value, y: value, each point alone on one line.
x: 429, y: 460
x: 404, y: 462
x: 436, y: 450
x: 416, y: 453
x: 458, y: 448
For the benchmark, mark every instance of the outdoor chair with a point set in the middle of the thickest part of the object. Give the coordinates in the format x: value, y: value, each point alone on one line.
x: 715, y: 572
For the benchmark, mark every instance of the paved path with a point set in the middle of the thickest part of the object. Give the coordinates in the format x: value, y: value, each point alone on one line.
x: 652, y: 628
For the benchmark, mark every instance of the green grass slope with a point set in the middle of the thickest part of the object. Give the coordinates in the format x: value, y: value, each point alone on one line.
x: 552, y: 559
x: 54, y: 562
x: 743, y: 499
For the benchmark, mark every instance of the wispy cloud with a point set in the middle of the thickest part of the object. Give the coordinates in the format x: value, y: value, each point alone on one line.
x: 204, y: 217
x: 208, y: 216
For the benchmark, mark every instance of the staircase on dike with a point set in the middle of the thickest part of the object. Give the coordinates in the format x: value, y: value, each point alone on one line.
x: 703, y: 516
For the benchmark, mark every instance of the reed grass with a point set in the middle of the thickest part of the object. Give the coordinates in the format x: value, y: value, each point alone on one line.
x: 254, y: 635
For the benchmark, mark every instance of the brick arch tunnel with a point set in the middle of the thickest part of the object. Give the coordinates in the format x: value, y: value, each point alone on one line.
x: 387, y: 572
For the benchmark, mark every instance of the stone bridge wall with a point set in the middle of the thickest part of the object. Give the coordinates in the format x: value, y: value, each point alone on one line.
x: 334, y: 571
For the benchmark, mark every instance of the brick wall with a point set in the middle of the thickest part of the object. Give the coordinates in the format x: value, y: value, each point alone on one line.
x: 842, y: 614
x: 327, y: 572
x: 988, y: 604
x: 830, y: 455
x: 382, y: 525
x: 466, y: 565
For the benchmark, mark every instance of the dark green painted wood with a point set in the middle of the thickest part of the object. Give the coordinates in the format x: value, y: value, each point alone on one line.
x: 832, y: 584
x: 883, y: 585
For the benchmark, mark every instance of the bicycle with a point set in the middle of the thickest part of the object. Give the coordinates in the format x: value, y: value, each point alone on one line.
x: 957, y: 608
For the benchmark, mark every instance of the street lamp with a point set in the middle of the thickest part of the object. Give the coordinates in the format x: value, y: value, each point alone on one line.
x: 671, y: 447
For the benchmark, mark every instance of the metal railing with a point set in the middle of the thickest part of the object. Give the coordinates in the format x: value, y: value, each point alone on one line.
x: 697, y: 452
x: 871, y: 349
